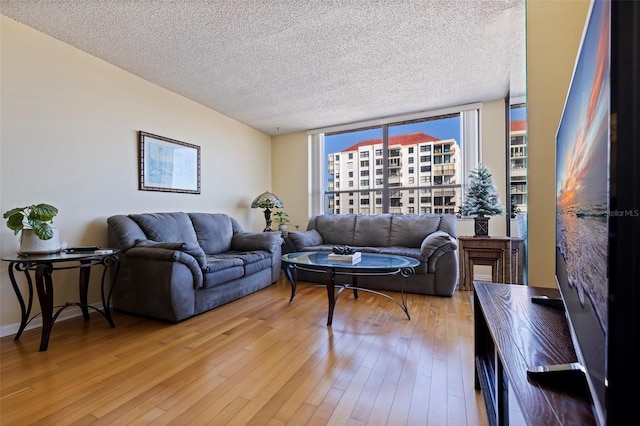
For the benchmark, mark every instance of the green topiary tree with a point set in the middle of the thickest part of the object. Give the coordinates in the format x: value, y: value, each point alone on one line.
x: 482, y: 196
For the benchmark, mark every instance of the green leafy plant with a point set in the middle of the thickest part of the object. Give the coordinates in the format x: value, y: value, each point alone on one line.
x: 281, y: 218
x: 482, y: 195
x: 36, y: 216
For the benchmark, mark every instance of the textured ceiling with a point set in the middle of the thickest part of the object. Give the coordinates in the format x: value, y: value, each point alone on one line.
x: 283, y: 66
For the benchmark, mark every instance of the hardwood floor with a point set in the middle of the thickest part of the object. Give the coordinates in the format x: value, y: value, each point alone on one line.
x: 257, y: 361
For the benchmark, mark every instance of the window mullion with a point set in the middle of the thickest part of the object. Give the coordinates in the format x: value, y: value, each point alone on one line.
x: 385, y: 168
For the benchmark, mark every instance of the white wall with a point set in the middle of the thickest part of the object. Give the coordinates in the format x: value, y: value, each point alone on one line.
x: 69, y: 138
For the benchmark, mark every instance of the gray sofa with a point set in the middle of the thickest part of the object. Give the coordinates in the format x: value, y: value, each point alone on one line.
x: 430, y: 238
x: 177, y: 265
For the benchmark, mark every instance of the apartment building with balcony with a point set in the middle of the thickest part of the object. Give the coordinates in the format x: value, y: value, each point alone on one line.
x: 518, y: 162
x: 417, y: 173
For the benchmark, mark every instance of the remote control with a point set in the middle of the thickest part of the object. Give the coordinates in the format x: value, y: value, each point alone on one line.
x: 82, y: 249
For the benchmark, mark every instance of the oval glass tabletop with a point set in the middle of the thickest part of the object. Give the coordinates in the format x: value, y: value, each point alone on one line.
x: 367, y: 261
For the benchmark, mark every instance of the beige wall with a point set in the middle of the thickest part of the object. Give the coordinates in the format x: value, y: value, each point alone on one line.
x: 554, y: 29
x: 69, y: 137
x: 289, y: 171
x: 493, y: 152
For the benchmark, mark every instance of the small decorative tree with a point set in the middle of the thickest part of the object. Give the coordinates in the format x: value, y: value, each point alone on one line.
x: 481, y: 200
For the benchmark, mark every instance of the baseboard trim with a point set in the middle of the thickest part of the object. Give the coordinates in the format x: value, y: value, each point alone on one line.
x: 68, y: 313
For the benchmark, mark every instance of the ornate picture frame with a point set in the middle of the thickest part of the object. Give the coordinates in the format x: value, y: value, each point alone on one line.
x: 168, y: 165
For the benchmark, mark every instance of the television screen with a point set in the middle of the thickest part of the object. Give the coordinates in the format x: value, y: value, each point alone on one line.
x: 582, y: 201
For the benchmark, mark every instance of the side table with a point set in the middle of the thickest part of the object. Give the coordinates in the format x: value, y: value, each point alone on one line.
x: 43, y: 267
x: 503, y: 254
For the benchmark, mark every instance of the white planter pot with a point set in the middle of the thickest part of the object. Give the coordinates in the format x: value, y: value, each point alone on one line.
x: 283, y: 229
x: 30, y: 243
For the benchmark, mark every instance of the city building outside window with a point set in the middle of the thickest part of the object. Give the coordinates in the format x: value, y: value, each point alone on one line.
x: 438, y: 139
x: 518, y: 158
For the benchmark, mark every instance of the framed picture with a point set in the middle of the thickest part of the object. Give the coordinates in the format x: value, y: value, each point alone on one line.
x: 168, y: 165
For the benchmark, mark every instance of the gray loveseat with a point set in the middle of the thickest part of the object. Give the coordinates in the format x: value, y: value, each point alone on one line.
x: 430, y: 238
x: 177, y: 265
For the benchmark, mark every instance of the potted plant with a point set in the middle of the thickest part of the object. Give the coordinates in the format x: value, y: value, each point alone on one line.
x: 33, y: 223
x: 481, y: 200
x: 282, y: 219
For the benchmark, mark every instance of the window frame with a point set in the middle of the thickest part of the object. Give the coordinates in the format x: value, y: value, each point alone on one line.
x: 469, y: 145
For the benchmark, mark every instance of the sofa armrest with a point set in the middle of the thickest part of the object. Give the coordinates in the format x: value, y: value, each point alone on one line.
x: 162, y: 254
x: 438, y: 242
x: 302, y: 239
x: 248, y: 241
x: 192, y: 249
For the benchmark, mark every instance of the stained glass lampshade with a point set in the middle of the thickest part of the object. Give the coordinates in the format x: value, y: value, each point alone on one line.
x: 267, y: 201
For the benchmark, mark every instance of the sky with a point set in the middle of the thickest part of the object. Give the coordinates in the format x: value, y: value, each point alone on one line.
x: 445, y: 128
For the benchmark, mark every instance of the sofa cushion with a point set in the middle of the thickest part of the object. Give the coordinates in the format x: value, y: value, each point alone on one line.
x: 251, y: 261
x: 166, y: 227
x: 248, y: 241
x: 212, y: 279
x: 255, y: 261
x: 220, y: 262
x: 336, y: 229
x: 304, y: 239
x: 372, y: 230
x: 124, y: 232
x: 213, y: 231
x: 189, y: 248
x: 410, y: 230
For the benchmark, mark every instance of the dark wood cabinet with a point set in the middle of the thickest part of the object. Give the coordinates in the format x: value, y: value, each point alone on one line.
x: 504, y: 255
x: 512, y: 334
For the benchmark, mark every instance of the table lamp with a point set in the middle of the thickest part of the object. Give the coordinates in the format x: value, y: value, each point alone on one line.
x: 267, y: 200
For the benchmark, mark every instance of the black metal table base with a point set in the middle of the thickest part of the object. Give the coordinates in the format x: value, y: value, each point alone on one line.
x: 44, y: 287
x: 330, y: 283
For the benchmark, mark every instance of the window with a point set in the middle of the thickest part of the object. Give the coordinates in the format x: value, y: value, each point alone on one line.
x: 518, y: 158
x: 442, y: 139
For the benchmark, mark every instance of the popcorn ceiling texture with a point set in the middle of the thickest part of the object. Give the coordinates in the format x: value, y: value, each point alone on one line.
x: 283, y: 66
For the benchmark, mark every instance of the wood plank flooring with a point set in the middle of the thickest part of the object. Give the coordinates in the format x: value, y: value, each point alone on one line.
x: 256, y: 361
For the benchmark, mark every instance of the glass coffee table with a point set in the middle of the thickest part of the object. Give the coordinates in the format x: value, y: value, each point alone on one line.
x: 369, y: 264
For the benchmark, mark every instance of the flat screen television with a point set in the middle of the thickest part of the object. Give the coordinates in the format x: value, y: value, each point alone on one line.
x: 598, y: 209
